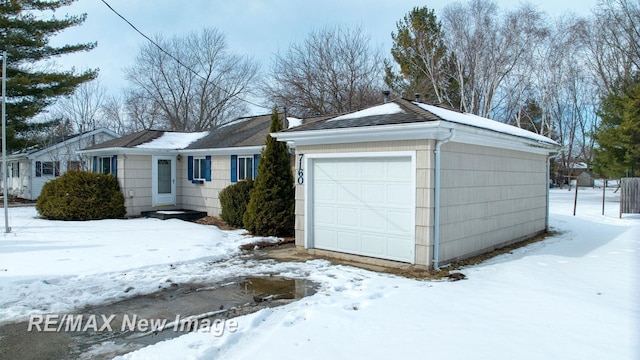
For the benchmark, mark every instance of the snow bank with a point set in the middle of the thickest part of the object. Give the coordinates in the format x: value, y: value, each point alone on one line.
x: 572, y: 296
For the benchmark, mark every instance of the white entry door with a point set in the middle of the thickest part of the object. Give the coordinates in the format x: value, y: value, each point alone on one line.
x: 163, y: 172
x: 364, y: 206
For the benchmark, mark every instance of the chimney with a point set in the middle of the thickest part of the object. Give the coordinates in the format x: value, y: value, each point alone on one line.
x: 285, y: 121
x: 417, y: 97
x: 386, y: 95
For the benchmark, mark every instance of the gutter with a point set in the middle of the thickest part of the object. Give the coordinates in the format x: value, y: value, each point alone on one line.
x: 436, y: 199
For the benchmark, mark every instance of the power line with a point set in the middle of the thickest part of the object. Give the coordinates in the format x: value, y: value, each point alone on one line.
x: 178, y: 60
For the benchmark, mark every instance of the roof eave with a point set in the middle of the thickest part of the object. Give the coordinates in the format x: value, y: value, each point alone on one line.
x: 431, y: 130
x: 412, y: 131
x: 237, y: 150
x: 127, y: 151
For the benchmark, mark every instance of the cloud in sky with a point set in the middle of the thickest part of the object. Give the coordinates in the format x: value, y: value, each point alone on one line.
x: 256, y: 28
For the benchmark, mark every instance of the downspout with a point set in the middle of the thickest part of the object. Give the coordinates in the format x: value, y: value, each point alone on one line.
x: 436, y: 199
x: 546, y: 217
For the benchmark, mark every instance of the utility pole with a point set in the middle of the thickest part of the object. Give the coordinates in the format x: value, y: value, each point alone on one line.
x: 7, y: 229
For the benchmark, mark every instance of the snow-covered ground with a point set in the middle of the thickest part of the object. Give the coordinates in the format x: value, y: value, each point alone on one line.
x: 575, y: 295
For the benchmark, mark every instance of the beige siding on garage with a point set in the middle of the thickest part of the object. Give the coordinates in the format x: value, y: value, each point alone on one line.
x: 489, y: 197
x: 204, y: 197
x: 424, y: 187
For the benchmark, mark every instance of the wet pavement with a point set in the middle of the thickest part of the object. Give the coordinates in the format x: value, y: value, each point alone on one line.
x: 106, y: 331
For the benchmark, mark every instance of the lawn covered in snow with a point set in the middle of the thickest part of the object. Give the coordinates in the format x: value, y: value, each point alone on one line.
x: 575, y: 295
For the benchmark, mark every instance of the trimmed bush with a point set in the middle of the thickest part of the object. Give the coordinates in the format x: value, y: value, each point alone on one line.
x: 80, y: 195
x: 270, y: 210
x: 233, y: 200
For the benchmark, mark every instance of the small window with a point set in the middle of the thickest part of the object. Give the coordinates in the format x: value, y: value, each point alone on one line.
x: 199, y: 169
x: 15, y: 169
x: 47, y: 168
x: 245, y: 168
x: 74, y: 165
x: 104, y: 165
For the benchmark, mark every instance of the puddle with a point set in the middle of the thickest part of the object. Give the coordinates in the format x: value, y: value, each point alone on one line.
x: 118, y: 328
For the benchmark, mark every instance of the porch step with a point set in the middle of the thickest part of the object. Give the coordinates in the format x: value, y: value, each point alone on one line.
x: 188, y: 215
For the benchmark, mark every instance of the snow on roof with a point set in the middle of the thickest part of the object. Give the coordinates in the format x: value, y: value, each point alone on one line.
x: 173, y: 140
x: 384, y: 109
x: 481, y: 122
x: 293, y: 122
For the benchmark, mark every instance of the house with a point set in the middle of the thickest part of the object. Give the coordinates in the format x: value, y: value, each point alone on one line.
x: 584, y: 175
x: 416, y: 183
x: 28, y: 170
x: 163, y: 170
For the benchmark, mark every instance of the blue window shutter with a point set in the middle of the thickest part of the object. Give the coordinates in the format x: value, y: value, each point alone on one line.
x: 38, y: 169
x: 190, y: 167
x: 256, y: 160
x: 95, y: 164
x: 234, y: 168
x: 207, y: 168
x: 114, y: 166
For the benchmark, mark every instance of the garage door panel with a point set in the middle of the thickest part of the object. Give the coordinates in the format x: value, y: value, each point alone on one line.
x: 322, y: 170
x: 325, y: 239
x: 373, y: 245
x: 398, y: 221
x: 324, y: 215
x: 347, y: 216
x: 373, y: 219
x: 398, y: 170
x: 348, y: 193
x: 401, y: 195
x: 372, y: 169
x: 364, y: 206
x: 373, y: 193
x: 348, y: 241
x: 347, y: 170
x: 398, y: 247
x: 325, y: 191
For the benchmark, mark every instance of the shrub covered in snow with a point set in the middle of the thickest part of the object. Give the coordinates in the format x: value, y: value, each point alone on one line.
x: 233, y: 200
x: 79, y: 195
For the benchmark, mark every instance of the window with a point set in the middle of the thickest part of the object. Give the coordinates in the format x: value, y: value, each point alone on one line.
x: 73, y: 165
x: 199, y: 168
x: 15, y: 169
x: 245, y: 168
x: 104, y: 165
x: 47, y: 168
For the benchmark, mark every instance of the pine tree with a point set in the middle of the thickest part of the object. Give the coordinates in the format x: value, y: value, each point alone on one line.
x: 618, y: 134
x: 270, y: 209
x: 26, y: 27
x: 424, y: 60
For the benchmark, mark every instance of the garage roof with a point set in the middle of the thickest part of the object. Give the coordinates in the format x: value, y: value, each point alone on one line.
x: 403, y: 111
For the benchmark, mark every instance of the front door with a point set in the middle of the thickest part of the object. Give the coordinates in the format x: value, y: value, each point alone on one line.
x: 164, y: 180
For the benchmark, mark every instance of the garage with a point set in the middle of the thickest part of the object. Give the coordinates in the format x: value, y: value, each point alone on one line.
x: 363, y: 206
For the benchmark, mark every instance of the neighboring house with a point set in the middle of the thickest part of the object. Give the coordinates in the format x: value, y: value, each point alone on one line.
x: 163, y: 170
x: 416, y: 183
x: 585, y: 176
x: 30, y: 169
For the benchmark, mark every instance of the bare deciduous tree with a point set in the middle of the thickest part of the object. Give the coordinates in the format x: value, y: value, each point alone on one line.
x: 333, y: 70
x: 81, y: 110
x: 488, y: 46
x: 200, y: 91
x: 613, y: 39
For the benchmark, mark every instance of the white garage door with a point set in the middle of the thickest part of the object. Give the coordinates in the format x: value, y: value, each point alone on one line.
x: 364, y: 206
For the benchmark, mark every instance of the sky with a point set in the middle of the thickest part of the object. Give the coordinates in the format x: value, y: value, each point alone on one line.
x: 255, y: 28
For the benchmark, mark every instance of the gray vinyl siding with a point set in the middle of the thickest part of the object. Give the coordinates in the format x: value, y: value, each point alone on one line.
x: 489, y: 197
